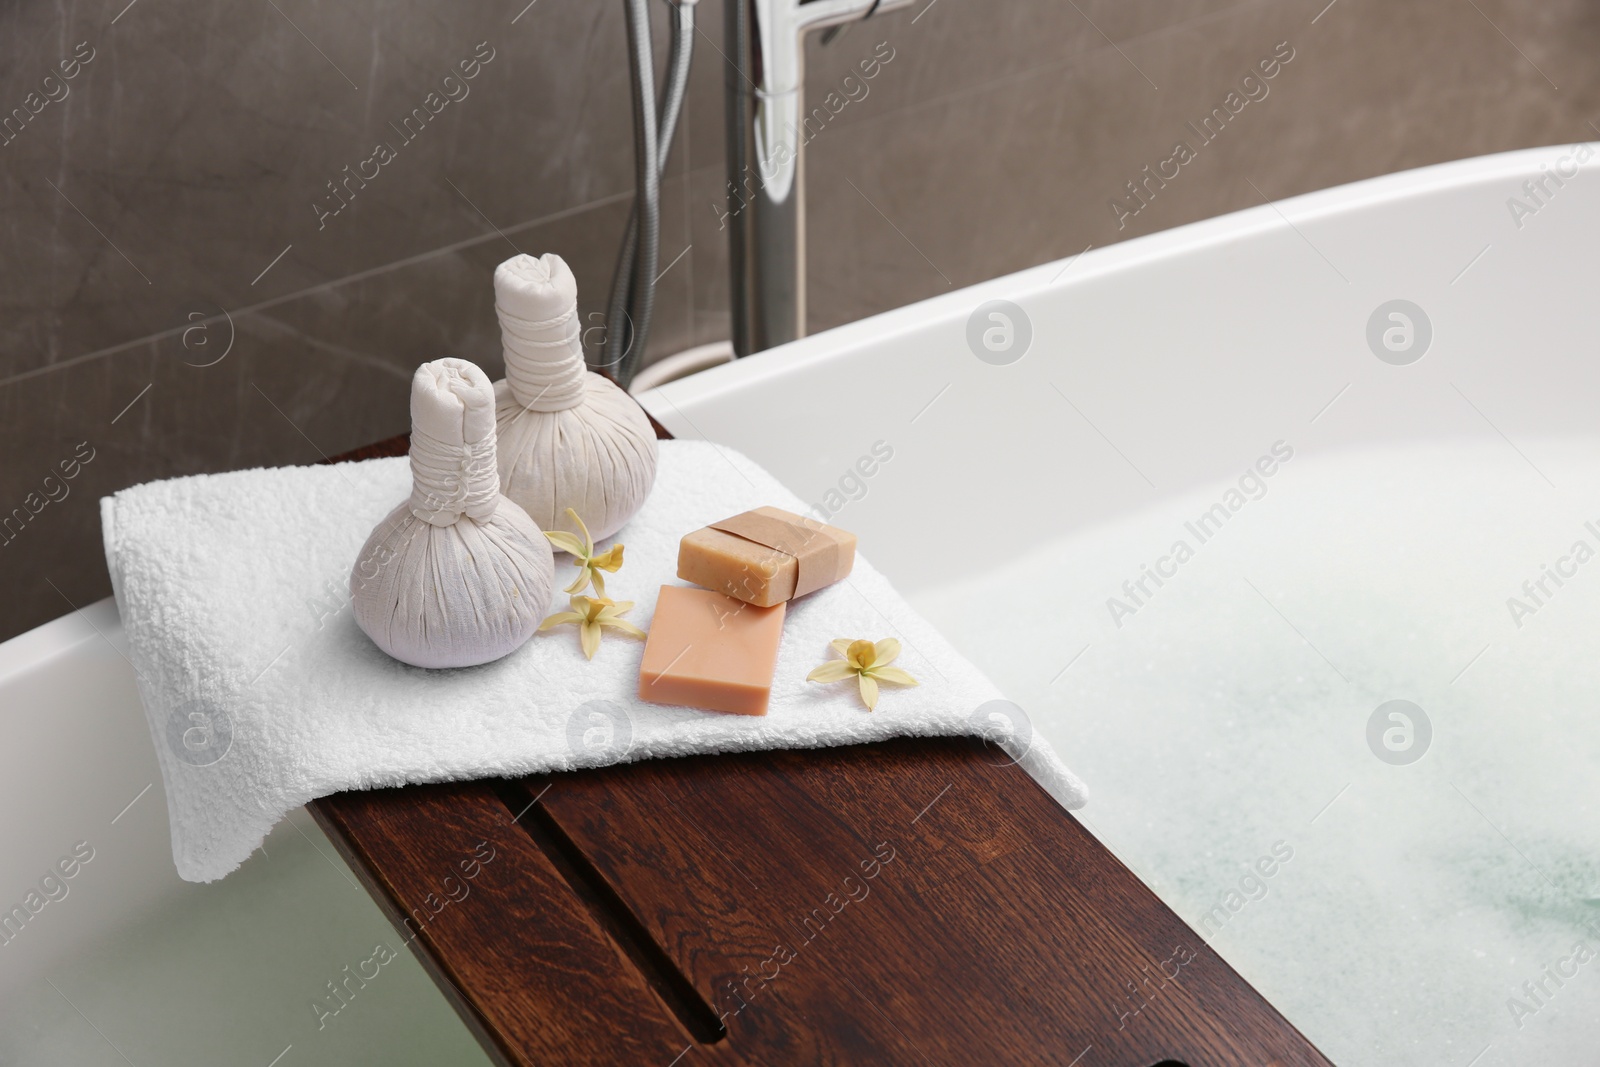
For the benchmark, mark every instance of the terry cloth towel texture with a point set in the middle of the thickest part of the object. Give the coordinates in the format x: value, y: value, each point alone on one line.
x: 263, y: 694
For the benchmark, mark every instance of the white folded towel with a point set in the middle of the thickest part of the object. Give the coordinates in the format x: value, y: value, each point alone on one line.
x: 263, y: 694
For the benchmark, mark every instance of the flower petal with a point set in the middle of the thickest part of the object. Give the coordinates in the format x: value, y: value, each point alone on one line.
x: 841, y: 645
x: 860, y: 654
x: 589, y: 637
x: 893, y: 676
x: 588, y: 542
x: 579, y: 582
x: 610, y: 559
x: 560, y: 618
x: 594, y: 575
x: 885, y: 651
x: 624, y: 625
x: 835, y: 670
x: 566, y: 542
x: 869, y: 691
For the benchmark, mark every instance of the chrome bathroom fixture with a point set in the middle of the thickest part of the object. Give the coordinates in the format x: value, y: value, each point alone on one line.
x: 765, y: 123
x: 765, y: 117
x: 633, y: 285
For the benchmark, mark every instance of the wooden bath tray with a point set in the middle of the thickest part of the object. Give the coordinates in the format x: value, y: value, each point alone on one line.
x: 917, y: 901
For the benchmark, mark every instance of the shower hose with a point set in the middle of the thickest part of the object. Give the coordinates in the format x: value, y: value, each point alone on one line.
x: 633, y: 281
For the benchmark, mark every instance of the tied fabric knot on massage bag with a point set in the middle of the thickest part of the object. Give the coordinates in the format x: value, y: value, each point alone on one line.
x: 262, y: 693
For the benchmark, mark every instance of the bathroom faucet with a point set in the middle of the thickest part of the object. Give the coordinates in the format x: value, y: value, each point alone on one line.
x: 766, y: 174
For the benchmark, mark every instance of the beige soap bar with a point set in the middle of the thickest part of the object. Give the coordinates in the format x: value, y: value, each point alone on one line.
x: 766, y: 556
x: 709, y: 651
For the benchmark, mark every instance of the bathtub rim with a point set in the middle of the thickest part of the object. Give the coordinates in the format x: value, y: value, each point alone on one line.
x: 37, y: 647
x: 665, y: 403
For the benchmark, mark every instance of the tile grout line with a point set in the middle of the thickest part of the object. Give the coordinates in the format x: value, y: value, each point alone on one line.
x: 331, y: 284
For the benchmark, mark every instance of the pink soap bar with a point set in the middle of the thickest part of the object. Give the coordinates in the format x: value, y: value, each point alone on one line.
x: 710, y: 651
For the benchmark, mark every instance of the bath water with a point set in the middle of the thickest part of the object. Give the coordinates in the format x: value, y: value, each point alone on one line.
x: 1409, y: 883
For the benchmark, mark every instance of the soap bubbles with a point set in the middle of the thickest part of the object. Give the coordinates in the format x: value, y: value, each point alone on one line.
x: 599, y: 732
x: 199, y: 733
x: 999, y: 332
x: 1399, y: 332
x: 1005, y: 728
x: 1399, y: 732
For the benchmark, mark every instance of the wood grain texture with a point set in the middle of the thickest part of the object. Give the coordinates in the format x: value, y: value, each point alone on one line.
x: 914, y: 901
x: 919, y: 901
x: 517, y: 952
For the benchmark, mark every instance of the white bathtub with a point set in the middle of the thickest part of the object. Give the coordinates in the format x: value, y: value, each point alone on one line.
x: 1157, y: 368
x: 122, y: 958
x: 1221, y: 716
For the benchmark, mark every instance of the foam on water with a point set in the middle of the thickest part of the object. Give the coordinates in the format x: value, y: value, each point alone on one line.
x: 1228, y: 714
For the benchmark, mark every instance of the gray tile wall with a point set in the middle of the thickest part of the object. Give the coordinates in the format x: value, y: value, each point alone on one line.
x: 185, y: 168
